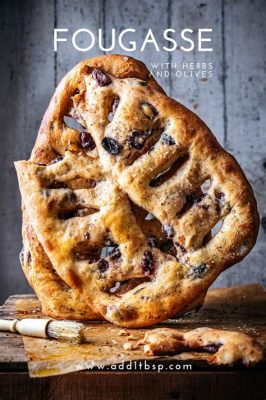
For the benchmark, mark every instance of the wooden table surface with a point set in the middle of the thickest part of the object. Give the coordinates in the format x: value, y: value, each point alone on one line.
x: 242, y: 308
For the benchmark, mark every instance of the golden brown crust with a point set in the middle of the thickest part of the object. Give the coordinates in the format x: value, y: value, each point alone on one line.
x: 54, y: 136
x: 228, y: 347
x: 150, y: 133
x: 58, y: 300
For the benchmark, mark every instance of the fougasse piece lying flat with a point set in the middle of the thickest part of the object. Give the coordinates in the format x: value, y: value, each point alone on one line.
x: 118, y: 210
x: 225, y: 347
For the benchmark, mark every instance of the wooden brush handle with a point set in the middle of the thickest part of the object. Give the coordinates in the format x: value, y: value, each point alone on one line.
x: 27, y: 326
x: 8, y: 325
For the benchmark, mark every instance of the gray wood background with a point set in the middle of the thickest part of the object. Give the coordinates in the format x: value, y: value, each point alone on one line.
x: 232, y: 102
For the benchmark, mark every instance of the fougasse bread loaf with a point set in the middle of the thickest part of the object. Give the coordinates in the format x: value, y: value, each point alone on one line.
x: 117, y: 216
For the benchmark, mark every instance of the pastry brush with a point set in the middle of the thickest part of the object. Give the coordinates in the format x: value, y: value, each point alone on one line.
x: 69, y: 331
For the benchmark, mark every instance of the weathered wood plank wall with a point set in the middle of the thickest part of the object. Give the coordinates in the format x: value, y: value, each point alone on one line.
x: 232, y: 102
x: 27, y: 82
x: 244, y: 55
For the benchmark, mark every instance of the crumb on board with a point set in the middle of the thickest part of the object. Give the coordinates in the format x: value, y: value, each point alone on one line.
x: 133, y: 344
x: 129, y: 346
x: 123, y: 332
x: 131, y: 337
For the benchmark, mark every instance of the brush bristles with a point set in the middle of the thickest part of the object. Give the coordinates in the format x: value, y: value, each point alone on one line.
x: 69, y: 331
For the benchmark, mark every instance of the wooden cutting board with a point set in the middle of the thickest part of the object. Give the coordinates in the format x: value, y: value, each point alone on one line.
x: 240, y: 308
